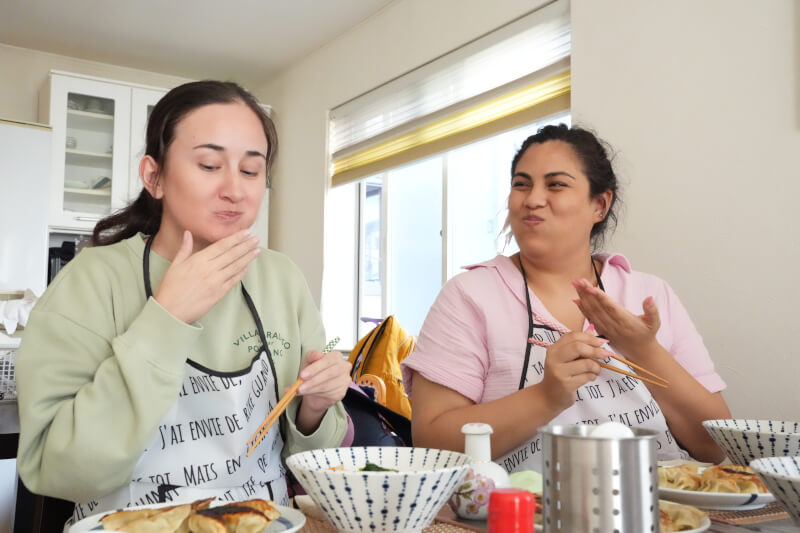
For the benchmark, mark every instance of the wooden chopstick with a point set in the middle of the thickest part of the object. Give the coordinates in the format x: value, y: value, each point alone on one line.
x: 273, y: 416
x: 280, y: 407
x: 637, y: 367
x: 631, y: 374
x: 663, y: 383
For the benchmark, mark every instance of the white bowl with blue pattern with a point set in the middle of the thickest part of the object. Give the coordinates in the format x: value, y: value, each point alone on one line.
x: 375, y: 502
x: 746, y: 440
x: 781, y: 475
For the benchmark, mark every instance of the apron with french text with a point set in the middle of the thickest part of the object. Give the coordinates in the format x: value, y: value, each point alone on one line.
x: 199, y: 450
x: 611, y: 397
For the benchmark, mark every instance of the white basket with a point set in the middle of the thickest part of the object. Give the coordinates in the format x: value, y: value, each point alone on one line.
x: 8, y: 381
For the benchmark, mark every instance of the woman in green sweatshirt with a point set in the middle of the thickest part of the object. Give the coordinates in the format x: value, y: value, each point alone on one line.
x: 154, y: 355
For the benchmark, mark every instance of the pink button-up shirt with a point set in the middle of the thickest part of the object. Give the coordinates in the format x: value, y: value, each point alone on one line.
x: 473, y: 339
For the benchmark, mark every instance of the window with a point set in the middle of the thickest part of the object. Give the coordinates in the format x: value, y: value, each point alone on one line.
x: 428, y: 219
x: 420, y: 170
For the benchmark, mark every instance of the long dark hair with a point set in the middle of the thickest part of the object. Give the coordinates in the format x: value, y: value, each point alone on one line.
x: 144, y: 214
x: 595, y: 156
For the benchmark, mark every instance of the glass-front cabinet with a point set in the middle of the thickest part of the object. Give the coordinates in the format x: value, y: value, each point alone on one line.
x: 91, y: 128
x: 98, y: 136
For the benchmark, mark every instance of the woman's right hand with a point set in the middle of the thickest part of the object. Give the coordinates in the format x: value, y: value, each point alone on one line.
x: 570, y: 363
x: 195, y: 282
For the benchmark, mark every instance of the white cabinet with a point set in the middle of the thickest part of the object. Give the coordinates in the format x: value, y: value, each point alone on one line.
x: 142, y: 103
x: 98, y: 131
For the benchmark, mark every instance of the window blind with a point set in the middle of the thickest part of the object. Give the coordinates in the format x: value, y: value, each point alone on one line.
x: 492, y: 83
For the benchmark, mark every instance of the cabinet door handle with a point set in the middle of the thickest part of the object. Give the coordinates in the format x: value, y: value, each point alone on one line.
x: 87, y: 219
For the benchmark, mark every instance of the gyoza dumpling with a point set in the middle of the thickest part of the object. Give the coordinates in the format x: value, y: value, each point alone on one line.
x: 687, y: 517
x: 745, y: 478
x: 752, y: 486
x: 237, y: 519
x: 680, y: 517
x: 716, y: 484
x: 265, y: 507
x: 664, y: 521
x: 115, y: 521
x: 196, y: 506
x: 678, y: 478
x: 165, y: 521
x: 206, y: 524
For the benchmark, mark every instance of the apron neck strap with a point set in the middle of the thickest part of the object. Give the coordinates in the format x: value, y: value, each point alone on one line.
x: 148, y: 291
x: 524, y: 374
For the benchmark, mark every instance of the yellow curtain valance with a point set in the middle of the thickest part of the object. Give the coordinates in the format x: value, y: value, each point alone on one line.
x: 513, y: 109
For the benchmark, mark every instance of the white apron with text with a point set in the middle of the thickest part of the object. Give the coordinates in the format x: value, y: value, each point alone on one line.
x: 199, y: 449
x: 612, y: 397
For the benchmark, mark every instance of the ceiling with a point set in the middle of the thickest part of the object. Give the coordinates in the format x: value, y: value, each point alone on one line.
x: 246, y: 40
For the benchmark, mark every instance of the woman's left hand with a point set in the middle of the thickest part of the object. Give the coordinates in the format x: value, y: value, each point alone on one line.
x: 631, y: 335
x: 326, y: 377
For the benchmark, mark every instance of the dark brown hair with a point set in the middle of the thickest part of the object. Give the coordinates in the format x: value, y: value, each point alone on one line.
x: 595, y: 158
x: 144, y: 214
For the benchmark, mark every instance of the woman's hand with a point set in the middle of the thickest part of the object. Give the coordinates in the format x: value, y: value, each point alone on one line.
x: 629, y: 334
x: 326, y: 378
x: 195, y: 282
x: 570, y: 364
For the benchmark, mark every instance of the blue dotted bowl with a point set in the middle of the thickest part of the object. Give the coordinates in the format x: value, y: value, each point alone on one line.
x: 781, y: 475
x: 407, y: 500
x: 746, y: 440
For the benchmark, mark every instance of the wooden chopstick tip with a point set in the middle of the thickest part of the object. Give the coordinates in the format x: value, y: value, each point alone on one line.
x: 637, y: 367
x: 631, y: 374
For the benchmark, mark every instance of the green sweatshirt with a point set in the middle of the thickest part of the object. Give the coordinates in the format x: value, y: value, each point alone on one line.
x: 100, y: 364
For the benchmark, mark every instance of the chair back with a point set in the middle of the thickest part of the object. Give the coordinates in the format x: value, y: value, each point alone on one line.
x: 377, y: 384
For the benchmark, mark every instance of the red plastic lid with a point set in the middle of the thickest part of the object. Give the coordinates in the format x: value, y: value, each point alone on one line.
x: 511, y: 511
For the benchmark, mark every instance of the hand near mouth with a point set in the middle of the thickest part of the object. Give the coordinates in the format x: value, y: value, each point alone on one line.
x: 195, y: 282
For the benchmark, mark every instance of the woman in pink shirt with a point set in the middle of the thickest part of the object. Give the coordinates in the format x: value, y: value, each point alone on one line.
x: 474, y: 361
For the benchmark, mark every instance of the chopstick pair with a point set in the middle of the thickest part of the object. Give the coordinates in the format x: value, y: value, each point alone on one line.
x: 280, y: 407
x: 661, y: 381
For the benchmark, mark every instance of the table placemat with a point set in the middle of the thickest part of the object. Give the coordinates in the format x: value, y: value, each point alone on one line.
x: 768, y: 513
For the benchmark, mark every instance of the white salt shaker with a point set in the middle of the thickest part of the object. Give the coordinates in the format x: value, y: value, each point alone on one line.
x: 471, y: 498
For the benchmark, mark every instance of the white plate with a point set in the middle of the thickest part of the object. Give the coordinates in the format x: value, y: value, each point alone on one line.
x: 713, y: 500
x: 716, y: 500
x: 289, y: 521
x: 705, y: 524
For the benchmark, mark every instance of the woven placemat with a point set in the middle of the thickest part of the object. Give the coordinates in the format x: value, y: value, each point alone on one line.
x: 768, y: 513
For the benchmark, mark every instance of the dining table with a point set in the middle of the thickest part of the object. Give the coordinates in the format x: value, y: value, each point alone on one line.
x: 447, y: 522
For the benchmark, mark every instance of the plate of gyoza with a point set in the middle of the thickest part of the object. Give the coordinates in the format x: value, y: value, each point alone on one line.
x: 727, y: 487
x: 201, y: 516
x: 680, y: 517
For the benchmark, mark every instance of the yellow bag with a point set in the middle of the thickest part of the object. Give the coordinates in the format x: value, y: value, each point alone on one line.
x: 380, y: 353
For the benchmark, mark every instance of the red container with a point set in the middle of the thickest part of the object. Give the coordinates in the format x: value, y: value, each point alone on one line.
x: 511, y: 511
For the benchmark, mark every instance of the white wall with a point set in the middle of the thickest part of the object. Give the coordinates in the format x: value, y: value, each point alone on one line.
x: 23, y: 71
x: 702, y: 101
x: 397, y: 39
